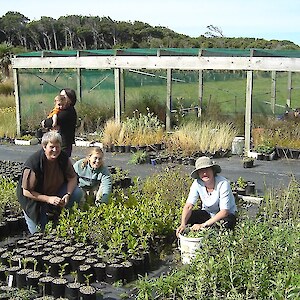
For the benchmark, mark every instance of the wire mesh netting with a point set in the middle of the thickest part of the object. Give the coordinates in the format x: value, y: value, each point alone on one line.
x: 223, y: 92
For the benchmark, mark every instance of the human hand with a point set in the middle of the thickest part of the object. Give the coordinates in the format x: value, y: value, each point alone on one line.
x: 180, y: 229
x: 64, y: 200
x: 197, y: 227
x: 54, y: 200
x: 43, y: 123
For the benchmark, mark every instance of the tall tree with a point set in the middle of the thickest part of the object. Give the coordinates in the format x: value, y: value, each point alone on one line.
x: 5, y: 54
x: 13, y: 24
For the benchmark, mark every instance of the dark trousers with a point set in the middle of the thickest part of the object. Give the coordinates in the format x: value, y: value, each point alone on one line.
x: 199, y: 216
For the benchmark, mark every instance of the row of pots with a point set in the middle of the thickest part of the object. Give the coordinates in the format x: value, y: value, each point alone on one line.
x: 248, y: 190
x: 56, y: 257
x: 131, y: 148
x: 47, y: 287
x: 10, y: 169
x: 12, y: 225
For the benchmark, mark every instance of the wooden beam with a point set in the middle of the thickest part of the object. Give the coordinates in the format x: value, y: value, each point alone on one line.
x: 161, y: 62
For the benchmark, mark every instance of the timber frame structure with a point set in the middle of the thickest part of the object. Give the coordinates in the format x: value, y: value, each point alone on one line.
x: 169, y: 59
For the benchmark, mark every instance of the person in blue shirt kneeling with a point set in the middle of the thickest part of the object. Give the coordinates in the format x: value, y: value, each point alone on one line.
x: 94, y: 177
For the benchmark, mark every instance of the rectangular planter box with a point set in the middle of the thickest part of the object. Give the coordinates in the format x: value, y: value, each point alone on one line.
x: 33, y: 141
x: 83, y: 143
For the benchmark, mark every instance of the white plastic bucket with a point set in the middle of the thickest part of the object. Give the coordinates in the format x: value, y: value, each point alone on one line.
x: 188, y: 247
x: 238, y: 145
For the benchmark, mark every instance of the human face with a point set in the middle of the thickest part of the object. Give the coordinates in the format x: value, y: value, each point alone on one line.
x: 60, y: 104
x: 52, y: 150
x: 96, y: 160
x: 206, y: 175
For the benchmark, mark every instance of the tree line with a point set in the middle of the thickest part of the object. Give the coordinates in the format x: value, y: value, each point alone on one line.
x: 76, y: 32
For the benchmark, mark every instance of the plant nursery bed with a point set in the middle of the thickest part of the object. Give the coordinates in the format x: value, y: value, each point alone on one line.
x: 37, y: 252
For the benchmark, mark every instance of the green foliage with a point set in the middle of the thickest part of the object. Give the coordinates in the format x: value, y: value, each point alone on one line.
x: 246, y: 264
x: 241, y: 183
x: 281, y: 204
x: 8, y: 197
x: 91, y: 117
x: 138, y: 157
x: 133, y: 218
x: 259, y: 260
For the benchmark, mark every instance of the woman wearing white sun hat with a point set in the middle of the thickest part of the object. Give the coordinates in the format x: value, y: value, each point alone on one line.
x: 218, y: 202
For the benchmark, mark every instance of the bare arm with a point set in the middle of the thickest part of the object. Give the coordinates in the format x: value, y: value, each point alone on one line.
x: 223, y: 213
x: 186, y: 213
x: 71, y: 185
x: 54, y: 200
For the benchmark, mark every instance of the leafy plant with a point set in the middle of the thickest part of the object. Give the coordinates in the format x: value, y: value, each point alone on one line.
x: 138, y: 157
x: 241, y: 183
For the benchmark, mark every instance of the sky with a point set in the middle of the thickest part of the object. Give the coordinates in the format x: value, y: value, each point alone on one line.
x: 265, y: 19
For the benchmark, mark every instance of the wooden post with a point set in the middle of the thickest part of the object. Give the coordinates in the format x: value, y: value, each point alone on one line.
x: 117, y: 96
x: 289, y: 91
x: 200, y: 93
x: 169, y: 99
x: 248, y: 111
x: 18, y: 100
x: 273, y: 92
x: 79, y: 90
x: 122, y: 90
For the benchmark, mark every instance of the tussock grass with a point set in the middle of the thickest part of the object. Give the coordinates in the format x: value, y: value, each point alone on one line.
x: 205, y: 137
x: 8, y: 122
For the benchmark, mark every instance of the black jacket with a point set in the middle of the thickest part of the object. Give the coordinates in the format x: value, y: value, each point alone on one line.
x: 66, y: 120
x: 35, y: 162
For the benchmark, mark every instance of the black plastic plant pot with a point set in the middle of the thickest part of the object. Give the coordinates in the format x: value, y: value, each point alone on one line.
x: 13, y: 225
x: 87, y: 292
x: 12, y: 271
x: 45, y: 285
x: 55, y: 265
x: 58, y: 286
x: 114, y: 272
x: 85, y: 271
x: 5, y: 257
x: 15, y: 260
x: 138, y: 264
x: 72, y: 290
x: 33, y: 279
x: 76, y: 261
x: 248, y: 164
x: 128, y: 272
x: 3, y: 270
x: 21, y: 278
x: 100, y: 272
x: 38, y: 256
x: 250, y: 188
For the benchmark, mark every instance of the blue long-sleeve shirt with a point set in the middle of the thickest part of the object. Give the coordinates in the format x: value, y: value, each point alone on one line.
x: 90, y: 178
